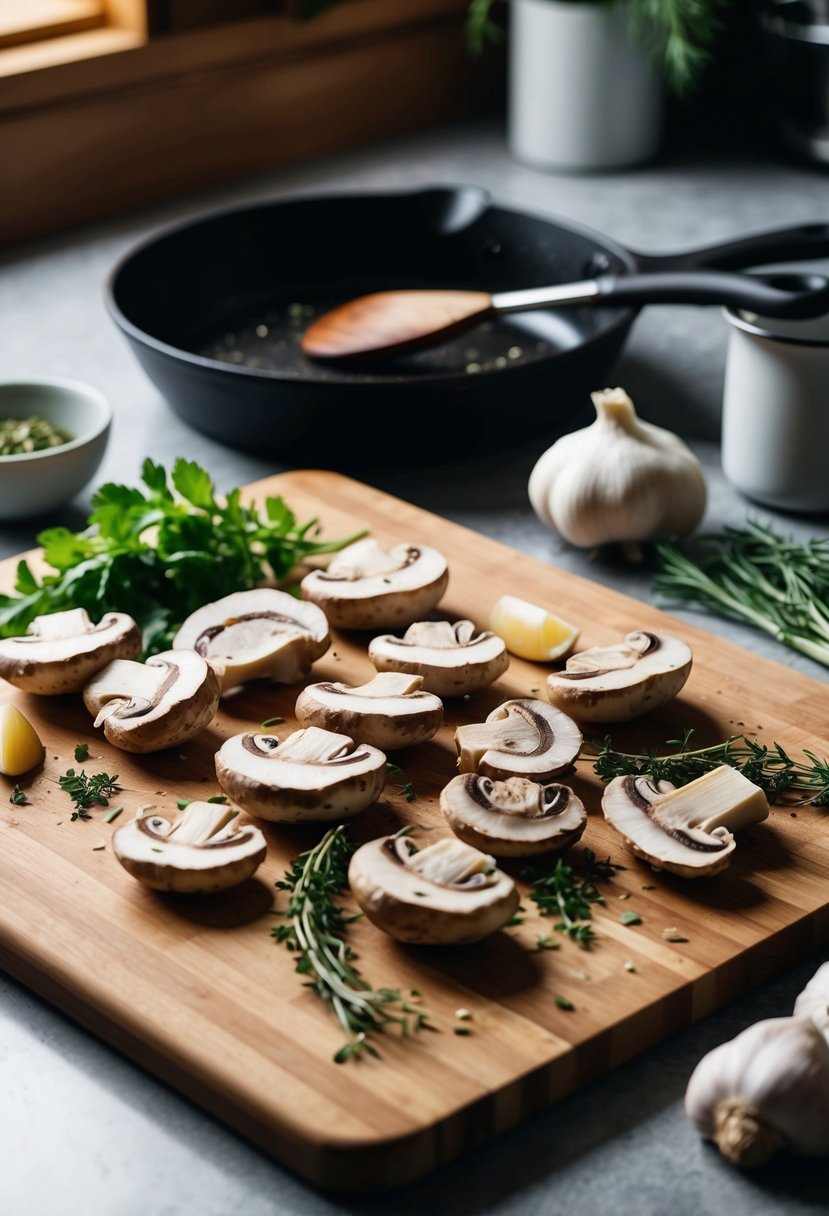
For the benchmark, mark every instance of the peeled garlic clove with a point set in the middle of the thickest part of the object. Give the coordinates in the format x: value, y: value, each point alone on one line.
x: 619, y: 479
x: 765, y: 1090
x: 20, y: 747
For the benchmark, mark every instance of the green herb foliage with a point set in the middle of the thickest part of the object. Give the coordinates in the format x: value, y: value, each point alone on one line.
x: 18, y: 797
x: 679, y: 34
x: 561, y: 893
x: 316, y: 933
x: 783, y: 778
x: 81, y: 752
x: 755, y: 575
x: 87, y: 790
x: 159, y: 551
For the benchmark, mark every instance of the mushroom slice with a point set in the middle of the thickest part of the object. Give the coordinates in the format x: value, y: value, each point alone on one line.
x: 512, y: 818
x: 447, y: 893
x: 452, y: 658
x: 617, y: 683
x: 204, y: 849
x: 145, y: 707
x: 389, y: 712
x: 64, y: 650
x: 521, y: 738
x: 263, y: 634
x: 314, y: 775
x: 686, y: 831
x: 368, y: 587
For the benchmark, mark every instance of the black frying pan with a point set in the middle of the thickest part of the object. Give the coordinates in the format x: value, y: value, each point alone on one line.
x: 214, y: 309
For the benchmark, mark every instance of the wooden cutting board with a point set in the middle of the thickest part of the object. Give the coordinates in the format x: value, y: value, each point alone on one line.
x: 197, y: 991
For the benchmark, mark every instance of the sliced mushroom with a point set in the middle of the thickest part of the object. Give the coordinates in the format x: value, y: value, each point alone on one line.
x: 368, y: 587
x: 145, y: 707
x: 617, y: 683
x: 447, y: 893
x: 63, y: 651
x: 512, y: 818
x: 452, y: 658
x: 686, y: 831
x: 314, y: 775
x: 204, y: 849
x: 263, y: 634
x: 521, y: 738
x: 389, y: 712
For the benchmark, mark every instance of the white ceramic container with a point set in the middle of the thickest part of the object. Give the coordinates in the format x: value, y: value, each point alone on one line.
x: 34, y: 483
x: 581, y: 94
x: 775, y: 420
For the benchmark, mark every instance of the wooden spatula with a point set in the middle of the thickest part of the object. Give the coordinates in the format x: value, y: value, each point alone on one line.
x: 391, y: 322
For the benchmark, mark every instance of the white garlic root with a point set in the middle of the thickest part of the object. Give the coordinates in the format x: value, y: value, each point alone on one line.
x: 768, y: 1088
x: 619, y: 479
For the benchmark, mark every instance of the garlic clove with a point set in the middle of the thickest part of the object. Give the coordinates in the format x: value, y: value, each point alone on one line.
x: 619, y: 479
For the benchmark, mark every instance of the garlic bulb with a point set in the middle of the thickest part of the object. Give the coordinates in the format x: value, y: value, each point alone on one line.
x: 813, y: 1001
x: 619, y: 479
x: 766, y: 1089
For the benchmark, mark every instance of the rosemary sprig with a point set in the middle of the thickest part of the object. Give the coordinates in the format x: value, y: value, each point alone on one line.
x: 316, y: 933
x: 559, y: 892
x: 770, y: 767
x: 755, y: 575
x: 84, y: 790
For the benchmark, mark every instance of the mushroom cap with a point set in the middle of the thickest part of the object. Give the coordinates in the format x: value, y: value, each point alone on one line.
x: 146, y: 707
x: 312, y: 776
x: 62, y: 651
x: 202, y: 850
x: 389, y: 712
x: 684, y: 831
x: 520, y: 738
x: 617, y: 683
x: 453, y: 659
x: 263, y: 634
x: 447, y: 893
x: 368, y: 587
x: 512, y: 818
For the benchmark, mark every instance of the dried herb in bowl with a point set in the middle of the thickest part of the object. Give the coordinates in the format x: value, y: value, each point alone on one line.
x: 19, y: 436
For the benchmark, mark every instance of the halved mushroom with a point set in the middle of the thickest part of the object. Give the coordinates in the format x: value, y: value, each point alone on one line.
x: 512, y: 818
x: 390, y: 712
x: 521, y: 738
x: 452, y: 658
x: 368, y: 587
x: 447, y: 893
x: 262, y: 634
x: 62, y: 651
x: 145, y: 707
x: 687, y: 830
x: 312, y: 776
x: 617, y: 683
x: 203, y: 849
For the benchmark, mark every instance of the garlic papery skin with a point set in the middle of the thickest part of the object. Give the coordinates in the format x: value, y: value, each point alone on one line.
x: 619, y: 479
x: 766, y: 1089
x: 813, y: 1001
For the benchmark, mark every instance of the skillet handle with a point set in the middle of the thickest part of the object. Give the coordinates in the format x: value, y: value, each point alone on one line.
x: 795, y: 296
x: 801, y: 242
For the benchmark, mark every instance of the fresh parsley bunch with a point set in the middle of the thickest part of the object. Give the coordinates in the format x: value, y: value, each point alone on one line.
x: 159, y: 551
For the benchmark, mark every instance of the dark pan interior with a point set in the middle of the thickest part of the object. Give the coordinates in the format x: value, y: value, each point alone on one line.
x: 215, y: 309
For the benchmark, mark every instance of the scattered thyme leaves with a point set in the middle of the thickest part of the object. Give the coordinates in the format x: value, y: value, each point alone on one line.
x: 270, y: 722
x: 546, y: 941
x: 315, y: 933
x: 220, y: 798
x: 564, y: 1004
x: 18, y: 797
x: 81, y: 752
x: 183, y: 803
x: 630, y: 918
x: 393, y: 769
x: 87, y: 790
x: 769, y: 766
x: 561, y: 893
x: 599, y: 871
x: 408, y: 791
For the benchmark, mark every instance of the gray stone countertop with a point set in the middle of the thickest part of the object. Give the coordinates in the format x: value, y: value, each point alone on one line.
x: 84, y: 1131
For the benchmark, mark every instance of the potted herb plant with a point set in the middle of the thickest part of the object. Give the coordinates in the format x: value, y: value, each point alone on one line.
x: 587, y: 78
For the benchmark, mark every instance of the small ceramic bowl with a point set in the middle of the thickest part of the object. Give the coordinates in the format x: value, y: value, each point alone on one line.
x: 34, y: 483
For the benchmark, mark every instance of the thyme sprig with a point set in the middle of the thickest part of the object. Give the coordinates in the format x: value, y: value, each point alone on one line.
x: 784, y: 779
x: 561, y: 893
x: 755, y: 575
x: 316, y: 933
x: 87, y: 789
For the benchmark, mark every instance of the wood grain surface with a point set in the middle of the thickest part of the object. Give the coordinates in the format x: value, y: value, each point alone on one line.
x: 197, y: 991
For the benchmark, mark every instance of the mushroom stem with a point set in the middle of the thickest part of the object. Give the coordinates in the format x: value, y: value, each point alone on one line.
x: 200, y: 822
x: 742, y: 1135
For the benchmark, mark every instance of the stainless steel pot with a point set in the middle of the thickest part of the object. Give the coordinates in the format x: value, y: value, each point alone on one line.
x: 796, y: 39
